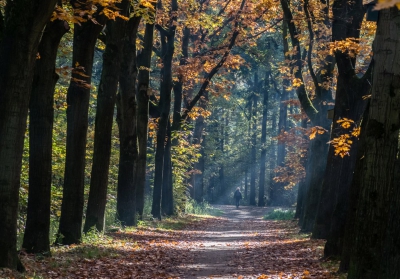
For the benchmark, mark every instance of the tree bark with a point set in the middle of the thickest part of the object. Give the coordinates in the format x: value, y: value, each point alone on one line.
x: 22, y: 28
x: 168, y: 48
x: 167, y: 205
x: 378, y: 190
x: 126, y: 102
x: 144, y: 62
x: 316, y: 163
x: 104, y: 120
x: 334, y: 200
x: 36, y: 236
x: 390, y: 260
x: 85, y: 36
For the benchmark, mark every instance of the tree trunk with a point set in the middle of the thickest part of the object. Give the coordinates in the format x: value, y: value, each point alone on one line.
x: 126, y: 195
x: 334, y: 200
x: 316, y: 163
x: 167, y: 44
x: 263, y: 157
x: 245, y: 185
x: 23, y: 25
x: 390, y: 260
x: 279, y: 190
x: 301, y: 193
x: 346, y: 240
x: 144, y: 63
x: 198, y: 138
x: 377, y: 186
x: 198, y: 182
x: 167, y: 205
x: 36, y: 236
x: 272, y: 156
x: 252, y: 198
x: 85, y: 37
x: 104, y: 120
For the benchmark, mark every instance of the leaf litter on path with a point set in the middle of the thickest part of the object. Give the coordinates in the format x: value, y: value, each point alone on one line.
x: 237, y: 245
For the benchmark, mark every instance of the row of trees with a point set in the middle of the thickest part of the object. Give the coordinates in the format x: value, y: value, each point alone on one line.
x: 255, y: 55
x: 206, y: 31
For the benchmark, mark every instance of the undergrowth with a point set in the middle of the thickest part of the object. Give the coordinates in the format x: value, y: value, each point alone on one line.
x: 280, y: 214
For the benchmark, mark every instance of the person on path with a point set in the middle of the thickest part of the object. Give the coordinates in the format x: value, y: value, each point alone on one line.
x: 237, y: 196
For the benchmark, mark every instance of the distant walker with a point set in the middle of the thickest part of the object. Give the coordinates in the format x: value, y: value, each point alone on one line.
x: 237, y: 196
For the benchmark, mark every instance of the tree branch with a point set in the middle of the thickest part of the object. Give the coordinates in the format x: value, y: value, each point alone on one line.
x: 210, y: 75
x: 301, y: 92
x: 310, y: 47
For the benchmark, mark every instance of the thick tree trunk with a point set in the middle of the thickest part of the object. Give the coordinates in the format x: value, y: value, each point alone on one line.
x: 377, y: 186
x: 85, y: 36
x: 339, y: 172
x: 346, y: 240
x: 126, y: 189
x: 167, y: 41
x: 22, y: 29
x: 316, y: 163
x: 36, y: 236
x: 390, y: 260
x: 263, y: 157
x: 104, y: 120
x: 334, y: 200
x: 144, y: 61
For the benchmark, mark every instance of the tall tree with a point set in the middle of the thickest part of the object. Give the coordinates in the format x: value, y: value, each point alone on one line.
x: 254, y: 100
x: 126, y: 119
x: 144, y: 62
x: 21, y: 31
x: 349, y: 103
x: 112, y: 57
x: 372, y: 238
x: 167, y: 37
x: 85, y: 37
x: 278, y: 197
x: 41, y: 114
x: 263, y: 157
x: 316, y: 110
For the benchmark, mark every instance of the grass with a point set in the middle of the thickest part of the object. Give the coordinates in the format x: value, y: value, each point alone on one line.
x: 280, y: 214
x: 203, y: 208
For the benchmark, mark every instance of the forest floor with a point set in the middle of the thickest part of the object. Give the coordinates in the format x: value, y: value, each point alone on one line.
x: 238, y: 244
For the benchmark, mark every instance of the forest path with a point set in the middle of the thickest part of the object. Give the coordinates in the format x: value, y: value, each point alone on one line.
x: 243, y: 245
x: 239, y: 244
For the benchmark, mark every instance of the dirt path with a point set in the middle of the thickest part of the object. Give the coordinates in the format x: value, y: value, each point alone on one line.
x: 239, y: 244
x: 242, y: 245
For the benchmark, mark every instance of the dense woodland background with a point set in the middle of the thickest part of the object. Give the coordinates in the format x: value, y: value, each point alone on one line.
x: 113, y: 111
